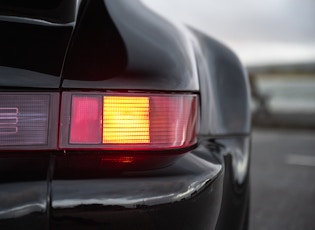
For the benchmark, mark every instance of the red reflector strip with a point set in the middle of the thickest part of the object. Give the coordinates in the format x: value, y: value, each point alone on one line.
x: 126, y: 120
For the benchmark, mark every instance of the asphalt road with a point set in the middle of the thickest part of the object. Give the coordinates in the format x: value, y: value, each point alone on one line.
x: 283, y: 180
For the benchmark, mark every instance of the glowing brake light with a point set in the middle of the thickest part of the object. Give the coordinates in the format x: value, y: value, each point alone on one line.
x: 127, y: 121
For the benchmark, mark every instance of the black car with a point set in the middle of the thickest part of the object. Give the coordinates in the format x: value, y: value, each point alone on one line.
x: 113, y: 117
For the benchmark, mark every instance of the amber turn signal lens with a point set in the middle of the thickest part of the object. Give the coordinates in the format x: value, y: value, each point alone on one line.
x: 126, y: 120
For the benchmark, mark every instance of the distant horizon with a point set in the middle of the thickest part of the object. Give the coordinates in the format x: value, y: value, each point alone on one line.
x: 260, y: 33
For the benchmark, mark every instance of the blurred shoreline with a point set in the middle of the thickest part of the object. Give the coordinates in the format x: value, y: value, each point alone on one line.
x: 283, y: 98
x: 284, y: 121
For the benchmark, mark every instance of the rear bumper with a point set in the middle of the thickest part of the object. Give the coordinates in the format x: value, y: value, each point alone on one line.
x: 185, y: 195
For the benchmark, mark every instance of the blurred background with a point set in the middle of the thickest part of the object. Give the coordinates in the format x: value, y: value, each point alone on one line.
x: 275, y: 40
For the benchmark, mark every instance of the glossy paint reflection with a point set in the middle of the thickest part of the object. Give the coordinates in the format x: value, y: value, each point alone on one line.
x: 224, y: 89
x: 55, y: 11
x: 135, y: 191
x: 22, y: 199
x: 39, y: 49
x: 23, y: 191
x: 238, y: 149
x: 130, y: 47
x: 187, y: 193
x: 236, y: 191
x: 14, y: 77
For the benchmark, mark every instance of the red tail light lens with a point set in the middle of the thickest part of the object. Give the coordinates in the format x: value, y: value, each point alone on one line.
x: 128, y: 122
x: 86, y: 124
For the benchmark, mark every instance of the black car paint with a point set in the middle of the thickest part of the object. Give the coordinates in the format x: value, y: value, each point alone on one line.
x: 34, y: 42
x: 132, y: 49
x: 52, y: 11
x: 152, y: 55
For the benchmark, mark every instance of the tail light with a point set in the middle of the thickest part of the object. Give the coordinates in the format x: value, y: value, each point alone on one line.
x: 28, y: 121
x: 126, y: 125
x: 127, y: 121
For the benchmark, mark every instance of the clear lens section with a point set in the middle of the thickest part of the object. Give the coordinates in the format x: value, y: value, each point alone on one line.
x: 128, y: 121
x: 24, y: 121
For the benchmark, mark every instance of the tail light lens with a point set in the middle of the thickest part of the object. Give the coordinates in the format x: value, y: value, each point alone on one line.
x: 28, y: 121
x: 128, y: 125
x: 127, y: 121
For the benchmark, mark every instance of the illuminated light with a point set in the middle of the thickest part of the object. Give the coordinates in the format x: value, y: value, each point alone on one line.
x: 132, y: 122
x: 86, y: 120
x: 119, y: 159
x: 126, y: 120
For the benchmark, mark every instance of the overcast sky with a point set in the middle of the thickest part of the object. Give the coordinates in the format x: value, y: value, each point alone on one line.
x: 258, y: 31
